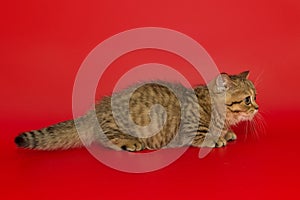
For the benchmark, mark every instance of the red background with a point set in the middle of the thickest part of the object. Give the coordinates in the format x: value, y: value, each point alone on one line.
x: 43, y: 44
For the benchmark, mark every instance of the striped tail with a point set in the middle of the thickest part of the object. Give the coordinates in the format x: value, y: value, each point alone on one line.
x: 59, y: 136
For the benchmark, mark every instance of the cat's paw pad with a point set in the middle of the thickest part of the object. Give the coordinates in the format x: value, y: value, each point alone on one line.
x: 221, y: 142
x: 230, y: 136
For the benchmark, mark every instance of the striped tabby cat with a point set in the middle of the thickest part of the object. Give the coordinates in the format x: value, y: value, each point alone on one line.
x: 196, y: 119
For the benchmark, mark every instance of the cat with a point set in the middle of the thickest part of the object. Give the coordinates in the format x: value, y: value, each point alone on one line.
x: 193, y: 121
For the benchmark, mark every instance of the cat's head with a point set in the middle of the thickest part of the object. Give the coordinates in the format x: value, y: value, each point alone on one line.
x: 240, y: 96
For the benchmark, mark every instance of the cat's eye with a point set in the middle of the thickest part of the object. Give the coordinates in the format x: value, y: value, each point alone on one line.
x: 247, y: 100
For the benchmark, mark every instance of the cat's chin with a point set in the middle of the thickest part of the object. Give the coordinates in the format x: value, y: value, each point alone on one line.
x: 234, y: 120
x: 246, y: 117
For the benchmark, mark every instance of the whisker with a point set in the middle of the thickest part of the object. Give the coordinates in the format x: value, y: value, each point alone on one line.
x: 252, y: 125
x: 258, y: 126
x: 262, y: 123
x: 255, y: 127
x: 246, y: 130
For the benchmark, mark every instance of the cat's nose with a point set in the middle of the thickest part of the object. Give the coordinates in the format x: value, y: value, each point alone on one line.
x: 256, y: 107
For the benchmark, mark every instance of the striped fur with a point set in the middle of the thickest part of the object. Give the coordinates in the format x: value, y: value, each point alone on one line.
x: 186, y: 119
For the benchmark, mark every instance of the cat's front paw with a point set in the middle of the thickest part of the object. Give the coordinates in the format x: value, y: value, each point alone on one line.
x: 213, y: 142
x: 230, y: 136
x: 128, y: 144
x: 221, y: 142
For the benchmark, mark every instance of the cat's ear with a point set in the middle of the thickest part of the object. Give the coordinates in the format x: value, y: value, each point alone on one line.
x: 223, y: 82
x: 244, y: 75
